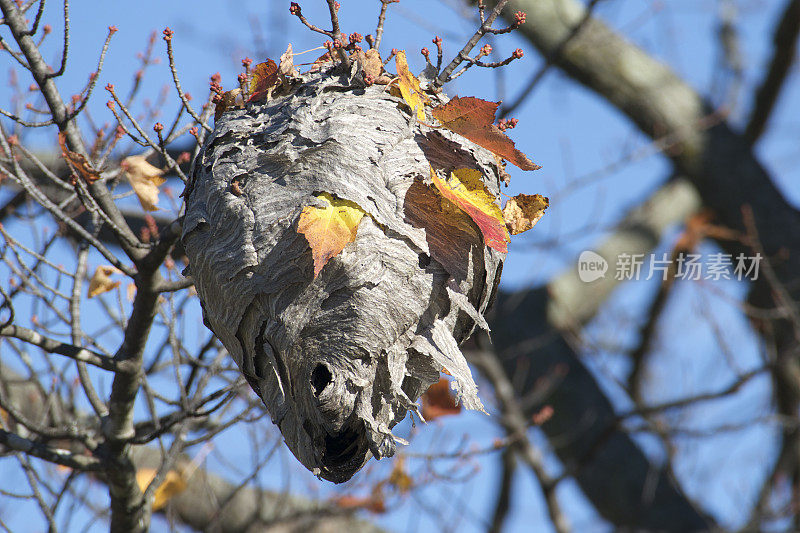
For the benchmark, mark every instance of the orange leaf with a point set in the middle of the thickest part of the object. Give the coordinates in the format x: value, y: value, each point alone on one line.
x: 473, y: 118
x: 263, y: 81
x: 465, y: 188
x: 409, y: 86
x: 330, y: 228
x: 373, y: 503
x: 101, y: 280
x: 439, y: 401
x: 523, y: 211
x: 77, y: 161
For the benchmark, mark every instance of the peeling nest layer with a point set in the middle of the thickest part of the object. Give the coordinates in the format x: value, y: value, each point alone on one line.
x: 341, y: 358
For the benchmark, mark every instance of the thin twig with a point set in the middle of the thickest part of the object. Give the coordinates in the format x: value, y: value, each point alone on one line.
x: 38, y: 18
x: 381, y: 22
x: 94, y: 76
x: 551, y: 60
x: 486, y: 25
x: 176, y: 81
x: 65, y: 49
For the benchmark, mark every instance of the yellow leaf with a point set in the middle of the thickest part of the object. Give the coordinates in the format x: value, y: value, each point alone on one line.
x: 523, y: 211
x: 144, y: 179
x: 466, y: 189
x: 329, y: 229
x: 399, y: 477
x: 101, y: 280
x: 173, y: 484
x: 409, y: 86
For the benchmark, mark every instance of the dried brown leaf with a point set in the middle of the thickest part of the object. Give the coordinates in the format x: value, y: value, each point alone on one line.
x: 101, y: 280
x: 286, y: 64
x: 144, y: 179
x: 263, y: 81
x: 523, y: 211
x: 230, y: 99
x: 373, y: 65
x: 77, y: 161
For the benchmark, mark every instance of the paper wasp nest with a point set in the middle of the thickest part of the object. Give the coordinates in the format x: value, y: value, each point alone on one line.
x: 340, y: 358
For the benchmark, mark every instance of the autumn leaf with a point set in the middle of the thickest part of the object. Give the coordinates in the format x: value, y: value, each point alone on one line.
x: 399, y: 477
x: 144, y: 179
x: 523, y: 211
x: 465, y: 188
x: 409, y: 86
x: 229, y: 99
x: 173, y: 484
x: 101, y: 280
x: 438, y: 401
x: 263, y: 81
x: 473, y: 118
x: 373, y: 65
x: 330, y: 228
x: 77, y: 161
x: 286, y: 63
x: 374, y: 503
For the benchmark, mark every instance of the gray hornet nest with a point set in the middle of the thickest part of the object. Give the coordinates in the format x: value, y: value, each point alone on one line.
x: 340, y: 358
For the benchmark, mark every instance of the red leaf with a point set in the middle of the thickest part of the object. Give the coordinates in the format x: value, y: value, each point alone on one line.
x: 263, y: 81
x: 473, y: 118
x: 465, y: 189
x: 439, y: 401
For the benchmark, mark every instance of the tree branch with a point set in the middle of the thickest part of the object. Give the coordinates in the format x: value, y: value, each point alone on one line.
x: 610, y: 468
x: 57, y: 456
x: 68, y: 350
x: 783, y: 55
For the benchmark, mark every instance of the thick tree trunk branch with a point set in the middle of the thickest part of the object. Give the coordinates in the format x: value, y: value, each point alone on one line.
x: 710, y: 154
x: 39, y: 69
x: 572, y: 302
x: 783, y: 55
x: 129, y: 512
x: 727, y: 176
x: 613, y: 472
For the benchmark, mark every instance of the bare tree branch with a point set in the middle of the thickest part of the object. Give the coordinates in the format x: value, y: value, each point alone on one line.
x: 73, y: 352
x: 783, y: 55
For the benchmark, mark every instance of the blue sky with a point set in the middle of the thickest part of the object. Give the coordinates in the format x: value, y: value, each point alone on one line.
x: 574, y: 136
